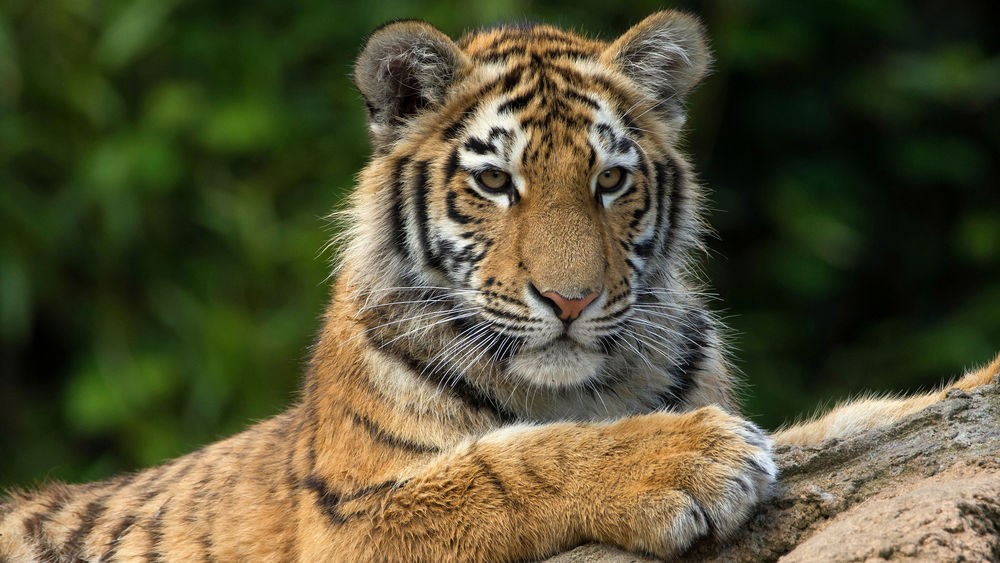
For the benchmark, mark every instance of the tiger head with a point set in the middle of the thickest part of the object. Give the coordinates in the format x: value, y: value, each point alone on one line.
x: 526, y: 179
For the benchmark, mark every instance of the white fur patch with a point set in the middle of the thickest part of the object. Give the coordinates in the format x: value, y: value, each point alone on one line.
x: 560, y: 364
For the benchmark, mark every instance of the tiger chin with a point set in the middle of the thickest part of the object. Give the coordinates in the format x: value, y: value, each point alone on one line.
x: 515, y: 358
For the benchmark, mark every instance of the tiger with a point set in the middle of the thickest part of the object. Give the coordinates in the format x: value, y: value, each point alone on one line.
x: 516, y: 357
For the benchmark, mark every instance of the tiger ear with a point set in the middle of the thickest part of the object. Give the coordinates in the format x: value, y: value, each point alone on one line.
x: 666, y: 54
x: 404, y: 67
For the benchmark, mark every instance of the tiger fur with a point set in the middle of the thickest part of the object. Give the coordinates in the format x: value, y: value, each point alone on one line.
x: 515, y: 358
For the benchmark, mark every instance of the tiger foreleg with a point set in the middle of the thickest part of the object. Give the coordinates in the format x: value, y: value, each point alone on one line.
x: 653, y: 483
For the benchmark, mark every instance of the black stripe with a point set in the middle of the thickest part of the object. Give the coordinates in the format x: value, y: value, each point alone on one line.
x: 709, y: 523
x: 398, y: 224
x: 500, y: 133
x: 486, y: 470
x: 201, y: 512
x: 372, y: 489
x: 451, y: 167
x: 153, y: 478
x: 511, y: 79
x: 469, y: 257
x: 676, y: 203
x: 566, y: 52
x: 664, y: 173
x: 504, y: 298
x: 33, y: 531
x: 516, y: 104
x: 510, y: 316
x: 91, y: 514
x: 382, y: 436
x: 645, y: 249
x: 643, y: 168
x: 697, y: 329
x: 501, y: 55
x: 458, y: 387
x: 471, y: 192
x: 454, y: 214
x: 612, y: 140
x: 529, y: 31
x: 117, y: 535
x: 326, y: 499
x: 155, y: 529
x: 59, y: 498
x: 582, y: 98
x: 636, y: 215
x: 631, y: 125
x: 543, y: 483
x: 620, y: 296
x: 624, y: 98
x: 612, y: 316
x: 329, y: 501
x: 420, y: 201
x: 450, y: 132
x: 35, y: 524
x: 208, y: 547
x: 479, y: 146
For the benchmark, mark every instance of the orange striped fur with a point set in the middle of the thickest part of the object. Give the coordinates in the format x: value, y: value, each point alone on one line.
x: 515, y: 359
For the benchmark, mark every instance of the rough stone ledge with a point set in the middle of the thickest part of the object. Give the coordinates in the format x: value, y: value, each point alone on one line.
x: 926, y: 488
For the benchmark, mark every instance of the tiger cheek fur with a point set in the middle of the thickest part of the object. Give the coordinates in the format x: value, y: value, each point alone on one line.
x: 515, y: 358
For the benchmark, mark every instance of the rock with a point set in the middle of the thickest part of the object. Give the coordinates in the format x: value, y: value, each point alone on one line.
x: 926, y: 488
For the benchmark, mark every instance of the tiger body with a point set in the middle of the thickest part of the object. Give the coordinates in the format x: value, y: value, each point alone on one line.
x: 515, y: 358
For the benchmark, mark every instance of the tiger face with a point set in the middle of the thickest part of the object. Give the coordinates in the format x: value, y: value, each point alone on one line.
x: 533, y: 181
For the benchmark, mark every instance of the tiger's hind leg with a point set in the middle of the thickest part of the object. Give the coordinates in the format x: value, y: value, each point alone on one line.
x: 864, y: 414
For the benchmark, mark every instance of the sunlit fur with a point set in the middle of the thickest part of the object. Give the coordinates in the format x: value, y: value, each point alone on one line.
x: 448, y: 413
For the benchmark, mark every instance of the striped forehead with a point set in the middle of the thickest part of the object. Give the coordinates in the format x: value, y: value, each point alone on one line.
x: 612, y: 140
x: 500, y: 131
x: 504, y: 42
x: 493, y: 138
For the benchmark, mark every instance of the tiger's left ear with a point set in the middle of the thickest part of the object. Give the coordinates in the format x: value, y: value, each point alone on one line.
x: 665, y: 54
x: 404, y: 67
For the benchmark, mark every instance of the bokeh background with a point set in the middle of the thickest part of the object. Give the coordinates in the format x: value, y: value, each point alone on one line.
x: 165, y: 167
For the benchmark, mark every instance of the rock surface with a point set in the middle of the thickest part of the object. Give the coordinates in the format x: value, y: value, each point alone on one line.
x: 926, y: 488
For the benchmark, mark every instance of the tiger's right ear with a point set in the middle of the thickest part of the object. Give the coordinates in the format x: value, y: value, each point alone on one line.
x: 404, y: 67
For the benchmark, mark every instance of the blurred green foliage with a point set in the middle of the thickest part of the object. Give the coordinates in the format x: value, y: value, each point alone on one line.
x: 165, y: 167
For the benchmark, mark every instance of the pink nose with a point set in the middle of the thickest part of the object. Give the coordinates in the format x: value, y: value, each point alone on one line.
x: 569, y: 309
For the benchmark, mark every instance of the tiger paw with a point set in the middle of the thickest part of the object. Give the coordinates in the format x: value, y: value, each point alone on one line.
x: 689, y: 476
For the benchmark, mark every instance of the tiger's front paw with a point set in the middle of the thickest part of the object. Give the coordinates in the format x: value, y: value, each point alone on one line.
x: 692, y: 475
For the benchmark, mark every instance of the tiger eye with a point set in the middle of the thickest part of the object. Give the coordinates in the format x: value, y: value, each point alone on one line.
x: 494, y: 179
x: 610, y: 178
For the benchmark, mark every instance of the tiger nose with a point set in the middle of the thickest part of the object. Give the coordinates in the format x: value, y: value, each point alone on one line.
x: 568, y: 309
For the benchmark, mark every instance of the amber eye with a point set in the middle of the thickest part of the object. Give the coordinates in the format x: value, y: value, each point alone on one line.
x: 611, y: 179
x: 494, y: 180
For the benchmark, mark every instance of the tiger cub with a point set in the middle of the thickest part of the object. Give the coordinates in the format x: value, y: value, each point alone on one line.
x: 515, y: 358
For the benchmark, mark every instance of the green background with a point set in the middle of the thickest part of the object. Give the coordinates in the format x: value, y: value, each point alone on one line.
x: 166, y: 166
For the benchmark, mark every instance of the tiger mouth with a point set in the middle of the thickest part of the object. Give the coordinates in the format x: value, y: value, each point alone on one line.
x: 564, y: 340
x: 559, y: 363
x: 565, y: 343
